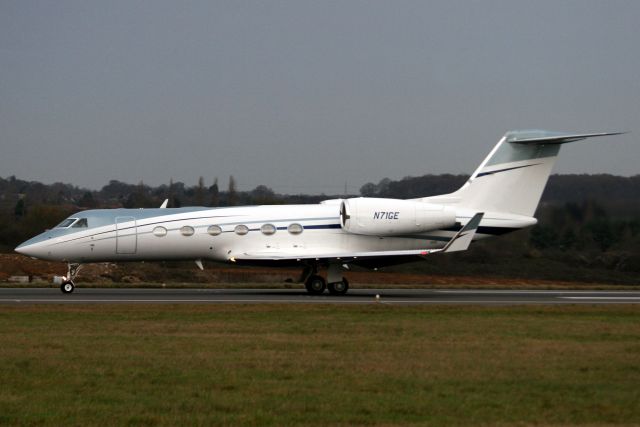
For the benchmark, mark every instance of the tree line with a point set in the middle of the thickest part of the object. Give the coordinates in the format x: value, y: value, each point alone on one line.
x: 589, y: 221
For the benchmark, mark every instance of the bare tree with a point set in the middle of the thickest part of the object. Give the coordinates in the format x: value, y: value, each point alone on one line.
x: 215, y: 193
x: 232, y: 193
x: 200, y: 192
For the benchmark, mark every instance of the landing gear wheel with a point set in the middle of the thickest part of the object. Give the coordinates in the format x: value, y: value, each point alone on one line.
x: 67, y: 287
x: 315, y: 285
x: 339, y: 288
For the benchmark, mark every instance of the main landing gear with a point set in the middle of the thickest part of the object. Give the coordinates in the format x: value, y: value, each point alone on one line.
x: 339, y: 288
x: 67, y: 285
x: 316, y: 284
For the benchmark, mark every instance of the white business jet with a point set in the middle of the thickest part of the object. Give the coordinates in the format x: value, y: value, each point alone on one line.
x: 500, y: 196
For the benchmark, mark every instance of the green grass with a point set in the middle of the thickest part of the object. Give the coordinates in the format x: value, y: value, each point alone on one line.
x: 319, y: 365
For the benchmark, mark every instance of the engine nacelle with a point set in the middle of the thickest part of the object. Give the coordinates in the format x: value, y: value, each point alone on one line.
x: 392, y: 217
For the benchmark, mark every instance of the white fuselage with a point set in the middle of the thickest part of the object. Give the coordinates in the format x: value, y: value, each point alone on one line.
x: 178, y: 234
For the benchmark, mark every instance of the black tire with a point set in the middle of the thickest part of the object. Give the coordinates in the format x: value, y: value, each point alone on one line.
x: 315, y: 285
x: 339, y: 288
x: 67, y: 287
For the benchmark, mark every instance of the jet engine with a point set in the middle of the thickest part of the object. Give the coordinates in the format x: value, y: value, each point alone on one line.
x: 392, y: 217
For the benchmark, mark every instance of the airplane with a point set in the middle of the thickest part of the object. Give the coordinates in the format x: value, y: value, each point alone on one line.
x: 501, y: 196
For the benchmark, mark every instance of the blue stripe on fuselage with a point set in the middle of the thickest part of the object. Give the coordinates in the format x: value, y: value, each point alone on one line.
x: 503, y: 170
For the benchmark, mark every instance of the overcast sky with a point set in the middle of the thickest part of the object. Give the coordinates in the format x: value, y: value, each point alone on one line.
x: 303, y: 96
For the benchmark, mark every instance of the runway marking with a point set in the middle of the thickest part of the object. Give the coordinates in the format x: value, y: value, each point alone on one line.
x: 187, y: 300
x: 602, y: 298
x: 532, y: 291
x: 495, y: 297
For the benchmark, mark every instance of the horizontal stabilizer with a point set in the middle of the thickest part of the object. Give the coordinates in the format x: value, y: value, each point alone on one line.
x: 462, y: 240
x: 556, y: 139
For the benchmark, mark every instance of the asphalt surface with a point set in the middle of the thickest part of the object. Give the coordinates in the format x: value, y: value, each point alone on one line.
x: 294, y: 296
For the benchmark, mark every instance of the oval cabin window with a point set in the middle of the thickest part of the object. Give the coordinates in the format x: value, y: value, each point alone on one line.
x: 214, y: 230
x: 187, y: 230
x: 295, y: 228
x: 241, y: 230
x: 159, y: 231
x: 268, y: 229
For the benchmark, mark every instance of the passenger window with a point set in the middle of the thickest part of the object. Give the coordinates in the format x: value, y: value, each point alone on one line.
x: 214, y: 230
x: 81, y: 223
x: 268, y: 229
x: 295, y: 228
x: 241, y: 230
x: 159, y: 231
x: 187, y: 230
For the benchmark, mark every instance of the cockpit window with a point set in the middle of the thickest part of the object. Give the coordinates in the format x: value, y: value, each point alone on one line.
x: 81, y: 223
x: 66, y: 223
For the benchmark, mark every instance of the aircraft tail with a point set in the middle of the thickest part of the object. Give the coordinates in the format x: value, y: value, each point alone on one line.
x: 513, y: 176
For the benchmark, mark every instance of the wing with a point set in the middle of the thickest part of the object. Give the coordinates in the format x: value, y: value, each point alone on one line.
x: 459, y: 242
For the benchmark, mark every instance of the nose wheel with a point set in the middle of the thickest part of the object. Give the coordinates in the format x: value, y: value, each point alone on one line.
x: 67, y: 285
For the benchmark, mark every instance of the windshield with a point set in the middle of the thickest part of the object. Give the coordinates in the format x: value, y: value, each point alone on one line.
x: 66, y: 223
x: 81, y: 223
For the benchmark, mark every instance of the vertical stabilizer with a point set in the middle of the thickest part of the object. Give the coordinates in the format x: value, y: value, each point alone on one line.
x: 513, y: 176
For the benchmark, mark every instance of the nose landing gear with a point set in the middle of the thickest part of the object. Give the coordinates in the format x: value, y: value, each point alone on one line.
x: 67, y: 285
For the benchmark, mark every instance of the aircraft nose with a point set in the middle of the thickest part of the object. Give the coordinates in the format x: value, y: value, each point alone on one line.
x: 32, y: 247
x: 25, y: 249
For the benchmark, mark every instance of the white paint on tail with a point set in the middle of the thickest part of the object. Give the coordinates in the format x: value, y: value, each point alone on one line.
x: 513, y: 176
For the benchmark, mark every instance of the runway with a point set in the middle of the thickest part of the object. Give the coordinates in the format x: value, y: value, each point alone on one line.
x: 294, y: 296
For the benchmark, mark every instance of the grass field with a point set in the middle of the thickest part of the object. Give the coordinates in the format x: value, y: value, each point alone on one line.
x: 319, y: 365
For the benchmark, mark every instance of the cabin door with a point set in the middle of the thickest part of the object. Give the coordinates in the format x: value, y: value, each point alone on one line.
x: 126, y: 235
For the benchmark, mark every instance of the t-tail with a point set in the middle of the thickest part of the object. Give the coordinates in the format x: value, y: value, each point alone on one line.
x: 512, y: 177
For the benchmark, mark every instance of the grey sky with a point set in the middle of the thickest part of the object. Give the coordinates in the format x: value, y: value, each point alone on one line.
x: 305, y: 95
